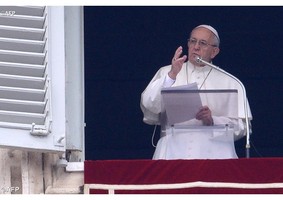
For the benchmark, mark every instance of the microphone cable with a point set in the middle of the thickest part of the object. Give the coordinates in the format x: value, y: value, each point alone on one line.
x: 153, y: 135
x: 257, y: 152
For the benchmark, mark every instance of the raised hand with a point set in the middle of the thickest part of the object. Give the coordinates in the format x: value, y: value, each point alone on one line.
x: 177, y: 63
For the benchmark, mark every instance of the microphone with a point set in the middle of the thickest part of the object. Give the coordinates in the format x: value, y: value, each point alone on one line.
x: 200, y: 60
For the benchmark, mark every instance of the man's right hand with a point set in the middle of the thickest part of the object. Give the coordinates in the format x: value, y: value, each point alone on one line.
x: 177, y: 63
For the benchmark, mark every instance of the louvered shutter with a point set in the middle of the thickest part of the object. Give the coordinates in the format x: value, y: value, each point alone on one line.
x: 27, y: 67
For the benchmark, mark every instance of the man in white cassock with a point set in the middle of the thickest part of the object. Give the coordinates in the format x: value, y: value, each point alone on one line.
x: 204, y: 142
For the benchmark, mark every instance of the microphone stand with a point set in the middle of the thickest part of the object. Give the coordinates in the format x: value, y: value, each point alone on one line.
x: 200, y: 60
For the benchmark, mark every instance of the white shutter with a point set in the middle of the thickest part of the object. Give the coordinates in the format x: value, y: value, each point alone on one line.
x: 28, y: 62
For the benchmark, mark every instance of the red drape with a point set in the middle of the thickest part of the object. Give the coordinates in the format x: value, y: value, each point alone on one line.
x: 137, y: 172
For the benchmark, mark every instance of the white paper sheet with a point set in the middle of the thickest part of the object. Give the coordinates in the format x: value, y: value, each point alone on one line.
x: 181, y: 103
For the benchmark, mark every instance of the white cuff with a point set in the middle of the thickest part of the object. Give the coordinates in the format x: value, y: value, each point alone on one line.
x: 168, y: 82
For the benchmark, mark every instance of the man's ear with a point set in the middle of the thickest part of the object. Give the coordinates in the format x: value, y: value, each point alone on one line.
x: 215, y: 51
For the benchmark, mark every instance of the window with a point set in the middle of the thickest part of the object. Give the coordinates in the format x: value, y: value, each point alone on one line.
x: 35, y: 112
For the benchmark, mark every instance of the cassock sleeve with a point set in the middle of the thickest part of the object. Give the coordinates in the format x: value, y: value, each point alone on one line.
x: 151, y: 97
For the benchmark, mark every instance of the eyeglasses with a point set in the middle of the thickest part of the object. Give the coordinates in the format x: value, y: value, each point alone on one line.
x: 202, y: 43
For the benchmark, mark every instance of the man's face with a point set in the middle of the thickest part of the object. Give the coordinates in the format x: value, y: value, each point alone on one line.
x: 201, y: 44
